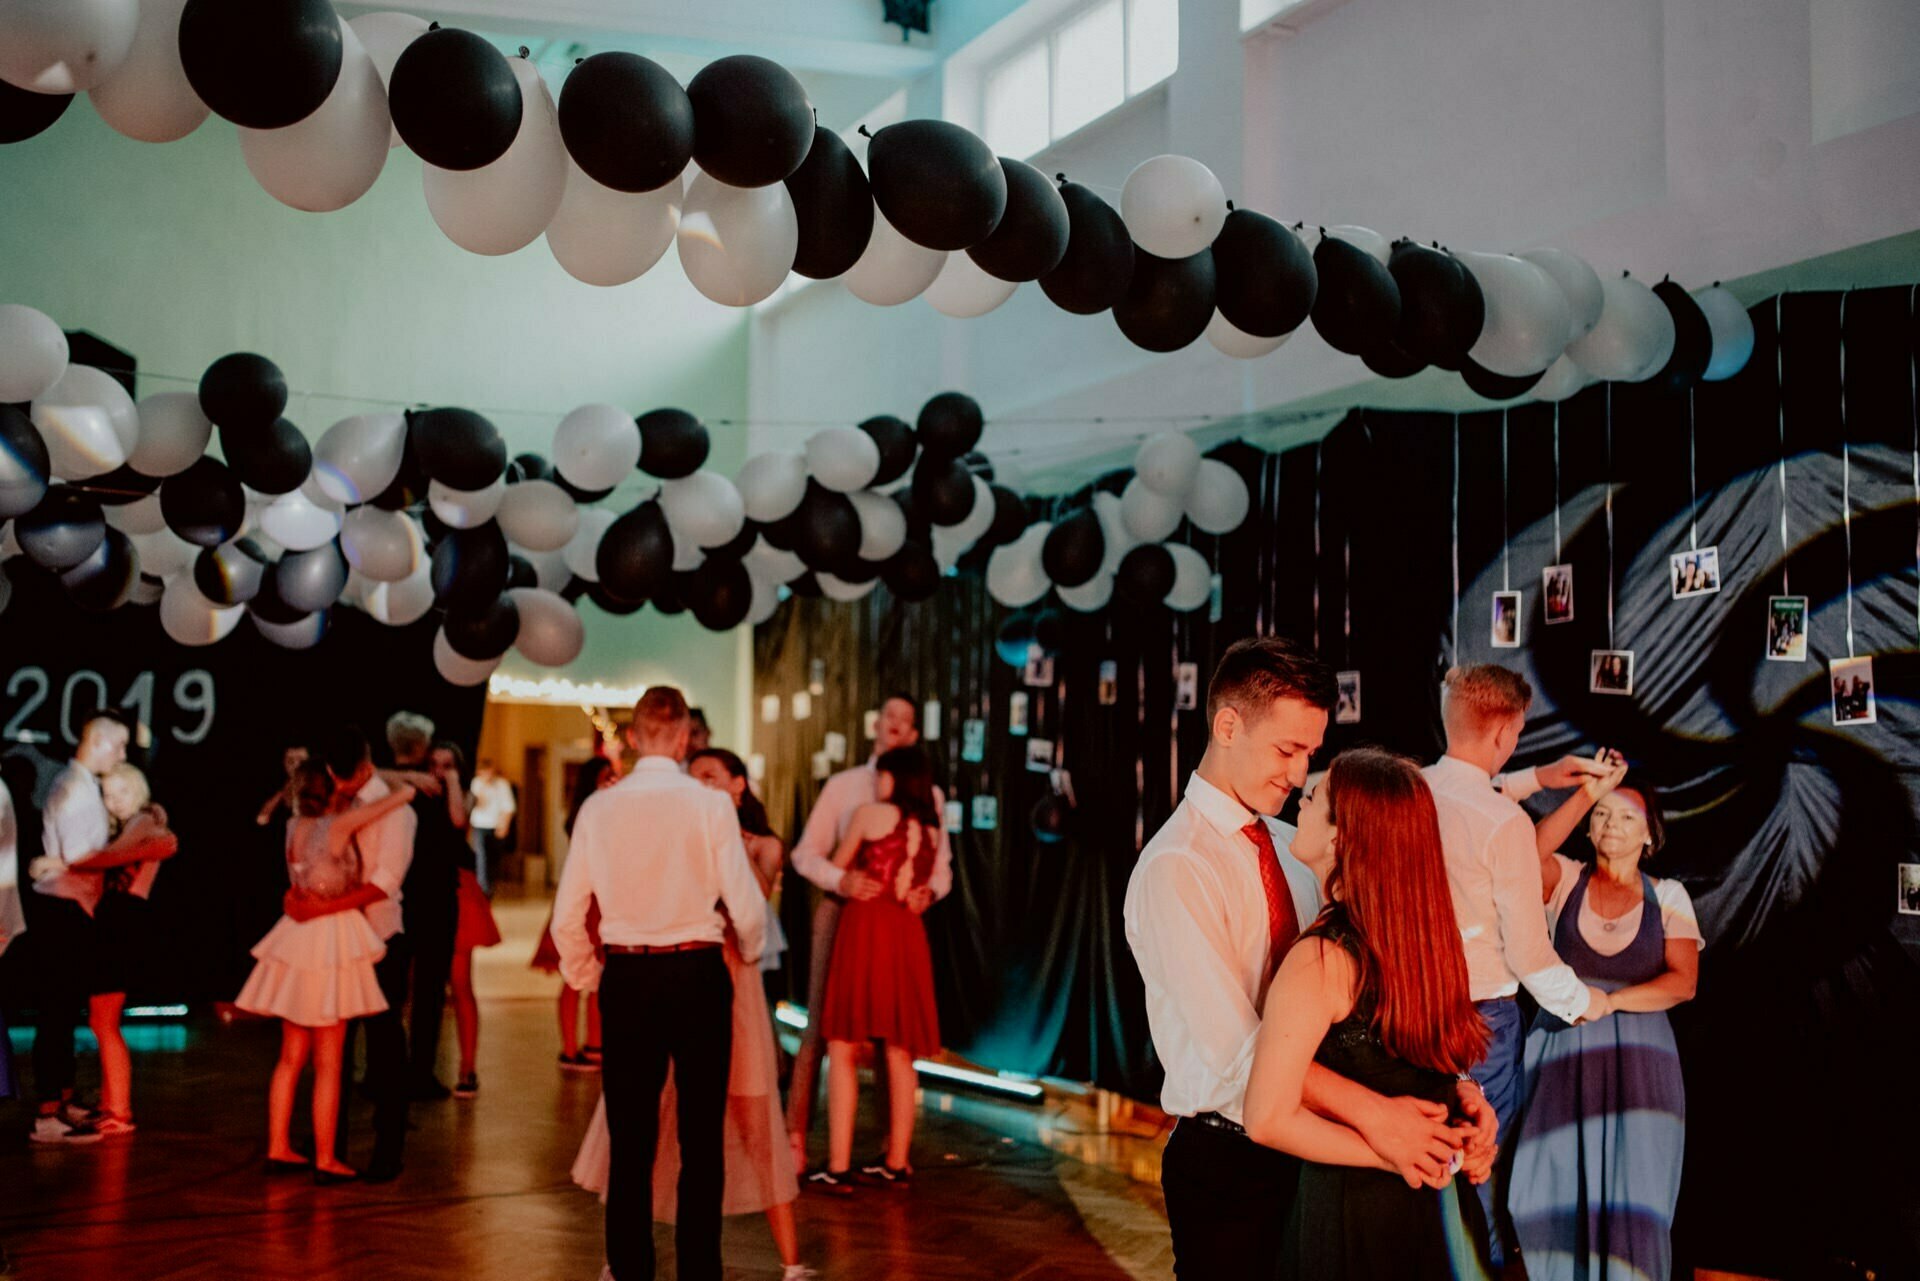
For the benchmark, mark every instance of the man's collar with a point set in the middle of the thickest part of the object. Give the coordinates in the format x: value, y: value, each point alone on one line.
x: 1217, y: 807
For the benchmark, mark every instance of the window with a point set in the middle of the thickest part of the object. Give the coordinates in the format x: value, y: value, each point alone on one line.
x: 1071, y: 74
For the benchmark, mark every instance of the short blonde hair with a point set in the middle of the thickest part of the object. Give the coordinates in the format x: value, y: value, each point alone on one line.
x: 409, y: 728
x: 661, y: 710
x: 1485, y: 693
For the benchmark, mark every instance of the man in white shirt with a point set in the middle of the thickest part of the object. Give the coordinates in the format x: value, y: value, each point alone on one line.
x: 386, y: 852
x: 1493, y: 871
x: 490, y: 821
x: 898, y: 725
x: 1214, y: 902
x: 658, y: 850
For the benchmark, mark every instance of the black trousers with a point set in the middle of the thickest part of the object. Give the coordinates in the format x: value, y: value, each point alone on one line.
x: 59, y: 939
x: 669, y: 1007
x: 386, y: 1060
x: 1228, y: 1201
x: 431, y: 927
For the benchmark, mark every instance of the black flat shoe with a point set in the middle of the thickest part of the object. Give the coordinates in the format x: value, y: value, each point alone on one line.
x: 274, y: 1167
x: 380, y: 1172
x: 328, y: 1178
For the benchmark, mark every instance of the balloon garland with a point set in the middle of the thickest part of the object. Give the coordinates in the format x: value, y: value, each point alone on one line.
x: 603, y: 174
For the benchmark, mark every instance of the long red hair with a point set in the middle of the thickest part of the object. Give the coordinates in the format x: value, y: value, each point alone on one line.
x: 1392, y: 878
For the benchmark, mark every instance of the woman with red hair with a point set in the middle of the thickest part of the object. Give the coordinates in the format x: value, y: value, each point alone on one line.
x: 1376, y: 991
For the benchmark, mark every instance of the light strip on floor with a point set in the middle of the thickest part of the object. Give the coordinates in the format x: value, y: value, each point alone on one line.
x: 155, y: 1012
x: 796, y: 1018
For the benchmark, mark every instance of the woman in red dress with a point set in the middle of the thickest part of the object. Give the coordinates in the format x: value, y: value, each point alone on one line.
x: 880, y: 980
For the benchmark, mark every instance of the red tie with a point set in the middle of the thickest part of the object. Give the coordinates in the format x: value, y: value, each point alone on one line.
x: 1283, y: 924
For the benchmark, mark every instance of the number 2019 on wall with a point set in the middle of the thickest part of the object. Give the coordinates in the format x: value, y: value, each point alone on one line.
x: 31, y: 689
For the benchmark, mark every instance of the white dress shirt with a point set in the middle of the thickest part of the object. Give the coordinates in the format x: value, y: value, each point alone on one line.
x: 826, y: 827
x: 74, y: 826
x: 493, y: 803
x: 386, y: 851
x: 1493, y: 871
x: 659, y: 851
x: 1196, y: 915
x: 13, y: 922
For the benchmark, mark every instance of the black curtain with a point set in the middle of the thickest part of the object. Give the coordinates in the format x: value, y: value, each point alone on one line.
x: 1382, y: 545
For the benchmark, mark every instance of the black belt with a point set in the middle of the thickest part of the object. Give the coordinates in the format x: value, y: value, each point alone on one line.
x: 1214, y: 1121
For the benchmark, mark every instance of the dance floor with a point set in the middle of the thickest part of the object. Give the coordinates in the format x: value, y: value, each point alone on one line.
x: 486, y: 1192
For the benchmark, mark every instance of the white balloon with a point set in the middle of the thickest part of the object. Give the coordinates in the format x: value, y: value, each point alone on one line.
x: 705, y: 506
x: 302, y: 633
x: 764, y: 560
x: 766, y: 599
x: 9, y: 543
x: 190, y: 618
x: 33, y: 353
x: 1089, y: 596
x: 538, y: 514
x: 298, y: 523
x: 1015, y: 576
x: 385, y: 36
x: 466, y: 508
x: 1628, y: 333
x: 605, y: 237
x: 1231, y: 341
x: 397, y: 604
x: 358, y: 457
x: 596, y: 446
x: 141, y: 516
x: 504, y: 206
x: 333, y: 157
x: 1366, y: 240
x: 1732, y: 330
x: 963, y: 289
x: 843, y: 458
x: 1665, y: 336
x: 1149, y: 515
x: 1167, y: 463
x: 687, y: 554
x: 549, y: 568
x: 1113, y: 528
x: 737, y: 243
x: 89, y: 422
x: 841, y: 590
x: 892, y: 269
x: 456, y: 668
x: 584, y: 547
x: 1528, y: 317
x: 772, y: 483
x: 147, y: 590
x: 64, y: 46
x: 382, y: 545
x: 551, y: 633
x: 1173, y: 206
x: 883, y: 526
x: 164, y: 553
x: 147, y: 98
x: 1219, y: 501
x: 979, y: 517
x: 1192, y: 579
x: 173, y: 433
x: 1563, y: 379
x: 1577, y: 280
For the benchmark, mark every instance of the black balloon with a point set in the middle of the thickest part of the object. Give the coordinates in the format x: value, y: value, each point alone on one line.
x: 806, y: 585
x: 897, y: 447
x: 1014, y: 640
x: 1357, y: 303
x: 576, y: 588
x: 27, y: 468
x: 942, y: 489
x: 484, y: 632
x: 825, y: 529
x: 530, y: 467
x: 470, y: 567
x: 1169, y: 300
x: 1264, y: 279
x: 232, y: 573
x: 834, y: 207
x: 24, y: 113
x: 741, y: 544
x: 1145, y: 575
x: 64, y: 529
x: 204, y: 504
x: 673, y: 444
x: 1494, y: 386
x: 950, y: 424
x: 1049, y: 819
x: 1050, y: 630
x: 912, y: 574
x: 454, y: 99
x: 521, y: 573
x: 1074, y: 550
x: 720, y: 594
x: 1032, y: 235
x: 1009, y: 518
x: 609, y: 602
x: 104, y: 580
x: 263, y: 66
x: 938, y: 184
x: 1389, y: 360
x: 456, y: 447
x: 1094, y: 273
x: 635, y: 557
x: 671, y: 597
x: 268, y: 605
x: 1441, y: 307
x: 977, y: 464
x: 275, y: 460
x: 626, y: 122
x: 752, y: 123
x: 122, y: 485
x: 409, y: 486
x: 1692, y: 340
x: 574, y: 491
x: 243, y: 392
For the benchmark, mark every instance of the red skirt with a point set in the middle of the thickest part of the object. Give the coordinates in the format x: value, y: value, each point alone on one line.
x: 477, y: 927
x: 880, y: 981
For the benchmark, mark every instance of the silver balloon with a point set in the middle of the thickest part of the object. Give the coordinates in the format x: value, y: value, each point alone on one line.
x: 301, y: 633
x: 457, y: 669
x: 89, y: 422
x: 64, y: 46
x: 841, y: 590
x: 164, y: 553
x: 173, y: 434
x: 397, y: 604
x: 466, y: 508
x: 1149, y: 515
x: 705, y: 506
x: 1577, y: 280
x: 583, y: 549
x: 1015, y: 576
x: 596, y: 447
x: 384, y: 545
x: 148, y: 97
x: 551, y: 633
x: 190, y: 618
x: 1089, y: 596
x: 843, y: 459
x: 771, y: 484
x: 1192, y: 579
x: 358, y: 457
x: 883, y: 526
x: 1167, y: 463
x: 33, y: 353
x: 298, y: 522
x: 141, y: 516
x: 539, y: 515
x: 1732, y: 330
x: 1219, y: 501
x: 312, y: 580
x: 550, y: 570
x: 764, y: 560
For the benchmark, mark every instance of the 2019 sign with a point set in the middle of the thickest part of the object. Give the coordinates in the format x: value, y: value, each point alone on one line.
x: 30, y: 692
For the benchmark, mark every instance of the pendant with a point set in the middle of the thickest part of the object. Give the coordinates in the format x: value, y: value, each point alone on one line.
x: 1607, y: 926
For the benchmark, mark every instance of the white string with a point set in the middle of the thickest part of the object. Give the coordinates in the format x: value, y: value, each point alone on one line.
x: 1558, y: 553
x: 1780, y: 386
x: 1610, y: 644
x: 1316, y: 548
x: 1455, y: 638
x: 1506, y: 539
x: 1693, y: 485
x: 1846, y: 473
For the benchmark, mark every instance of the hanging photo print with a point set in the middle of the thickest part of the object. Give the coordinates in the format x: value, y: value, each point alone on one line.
x: 817, y: 677
x: 802, y: 705
x: 1694, y: 573
x: 1907, y: 902
x: 821, y: 766
x: 1556, y: 581
x: 1039, y: 673
x: 930, y: 718
x: 1215, y: 599
x: 1017, y: 713
x: 1346, y: 707
x: 1786, y: 629
x: 1611, y: 672
x: 973, y: 741
x: 757, y: 766
x: 1506, y: 620
x: 1109, y: 683
x: 954, y: 817
x: 870, y: 724
x: 1853, y: 702
x: 986, y: 813
x: 1186, y: 686
x: 770, y: 709
x: 1040, y: 755
x: 835, y: 746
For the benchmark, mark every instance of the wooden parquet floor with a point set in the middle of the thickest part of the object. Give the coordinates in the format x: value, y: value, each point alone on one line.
x: 486, y: 1192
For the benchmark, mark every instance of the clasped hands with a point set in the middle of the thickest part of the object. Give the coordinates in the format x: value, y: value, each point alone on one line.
x: 1414, y: 1137
x: 865, y: 887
